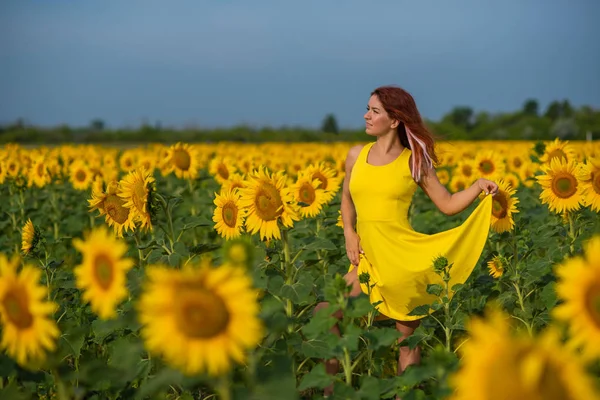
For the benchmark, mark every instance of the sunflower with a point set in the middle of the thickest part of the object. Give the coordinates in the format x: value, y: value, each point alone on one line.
x: 496, y: 266
x: 503, y: 207
x: 81, y: 176
x: 458, y: 183
x: 228, y: 216
x: 221, y: 168
x: 199, y: 318
x: 27, y: 330
x: 558, y: 149
x: 328, y: 178
x: 102, y: 274
x: 589, y: 175
x: 136, y: 190
x: 489, y: 164
x: 3, y: 171
x: 112, y: 207
x: 234, y: 182
x: 498, y: 365
x: 561, y: 189
x: 467, y: 169
x: 443, y: 176
x: 268, y: 202
x: 239, y: 252
x: 30, y: 237
x: 579, y: 288
x: 38, y: 174
x: 183, y: 160
x: 512, y: 180
x: 308, y: 195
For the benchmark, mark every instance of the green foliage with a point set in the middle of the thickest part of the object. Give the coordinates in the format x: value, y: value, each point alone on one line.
x: 461, y: 123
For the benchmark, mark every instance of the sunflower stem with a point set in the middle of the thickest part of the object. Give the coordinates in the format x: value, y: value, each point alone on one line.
x: 288, y: 270
x: 572, y: 234
x: 137, y: 242
x: 224, y: 388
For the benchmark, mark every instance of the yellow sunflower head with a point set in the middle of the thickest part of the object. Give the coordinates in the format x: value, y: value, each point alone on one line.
x: 182, y: 158
x: 497, y: 364
x: 579, y: 288
x: 340, y: 221
x: 239, y: 252
x: 28, y: 330
x: 228, y: 215
x: 496, y: 266
x: 558, y: 149
x: 268, y: 202
x: 489, y: 164
x: 109, y: 204
x: 589, y: 176
x: 503, y: 207
x: 309, y: 197
x: 443, y: 176
x: 136, y: 190
x: 81, y: 175
x: 561, y: 188
x: 329, y: 180
x: 199, y: 318
x: 30, y: 237
x: 102, y: 274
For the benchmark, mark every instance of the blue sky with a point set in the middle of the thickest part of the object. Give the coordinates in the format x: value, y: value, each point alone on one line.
x: 259, y: 62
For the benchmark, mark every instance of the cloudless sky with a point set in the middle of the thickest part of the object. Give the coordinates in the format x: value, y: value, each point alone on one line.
x: 273, y: 62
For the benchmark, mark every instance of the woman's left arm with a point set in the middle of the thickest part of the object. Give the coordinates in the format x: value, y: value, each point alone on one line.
x: 453, y: 203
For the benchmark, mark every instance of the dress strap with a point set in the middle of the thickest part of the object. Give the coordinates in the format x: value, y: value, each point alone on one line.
x: 364, y: 152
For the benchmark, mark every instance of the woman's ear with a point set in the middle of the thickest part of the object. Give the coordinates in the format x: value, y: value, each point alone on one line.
x: 395, y: 123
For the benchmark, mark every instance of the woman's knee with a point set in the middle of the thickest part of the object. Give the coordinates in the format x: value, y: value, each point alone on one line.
x: 407, y: 328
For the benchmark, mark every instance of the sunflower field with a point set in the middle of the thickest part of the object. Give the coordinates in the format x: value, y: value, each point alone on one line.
x: 192, y: 271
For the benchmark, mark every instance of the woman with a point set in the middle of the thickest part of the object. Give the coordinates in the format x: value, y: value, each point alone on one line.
x: 381, y: 178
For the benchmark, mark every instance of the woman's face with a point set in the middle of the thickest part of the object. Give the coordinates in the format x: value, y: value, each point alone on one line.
x: 377, y: 120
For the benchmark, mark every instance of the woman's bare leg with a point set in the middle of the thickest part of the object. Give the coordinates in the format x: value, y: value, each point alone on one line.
x: 332, y: 366
x: 407, y: 356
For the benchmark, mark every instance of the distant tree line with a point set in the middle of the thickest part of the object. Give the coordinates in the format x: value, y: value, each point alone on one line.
x: 559, y: 119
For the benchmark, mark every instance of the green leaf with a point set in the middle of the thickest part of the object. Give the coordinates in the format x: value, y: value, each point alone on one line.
x: 369, y: 388
x: 204, y: 248
x: 181, y: 249
x: 315, y: 348
x: 316, y: 378
x: 298, y: 291
x: 101, y: 329
x: 548, y: 296
x: 420, y: 310
x: 350, y: 336
x: 75, y: 337
x: 162, y: 380
x: 457, y: 287
x: 359, y: 306
x: 320, y: 323
x: 321, y: 244
x: 434, y: 289
x: 382, y: 337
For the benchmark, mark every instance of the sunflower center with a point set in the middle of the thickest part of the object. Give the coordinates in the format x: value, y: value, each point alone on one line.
x: 467, y: 170
x: 499, y: 206
x: 223, y: 171
x: 104, y: 271
x: 558, y: 153
x: 128, y: 163
x: 230, y: 212
x: 114, y: 208
x: 517, y: 162
x: 182, y: 159
x: 596, y: 182
x: 268, y: 202
x: 307, y: 193
x: 318, y: 175
x: 592, y: 298
x: 80, y: 175
x: 460, y: 185
x: 201, y: 314
x: 564, y: 185
x: 16, y: 305
x: 487, y: 167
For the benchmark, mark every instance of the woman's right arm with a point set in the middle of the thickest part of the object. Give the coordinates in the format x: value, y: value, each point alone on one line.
x: 353, y: 248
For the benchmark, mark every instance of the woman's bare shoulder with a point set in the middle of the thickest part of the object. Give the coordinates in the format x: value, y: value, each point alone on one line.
x: 353, y: 153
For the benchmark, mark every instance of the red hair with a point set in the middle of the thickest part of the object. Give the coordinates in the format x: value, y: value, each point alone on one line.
x: 400, y: 105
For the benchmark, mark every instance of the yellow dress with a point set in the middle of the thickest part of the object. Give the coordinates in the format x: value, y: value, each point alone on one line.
x: 399, y: 259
